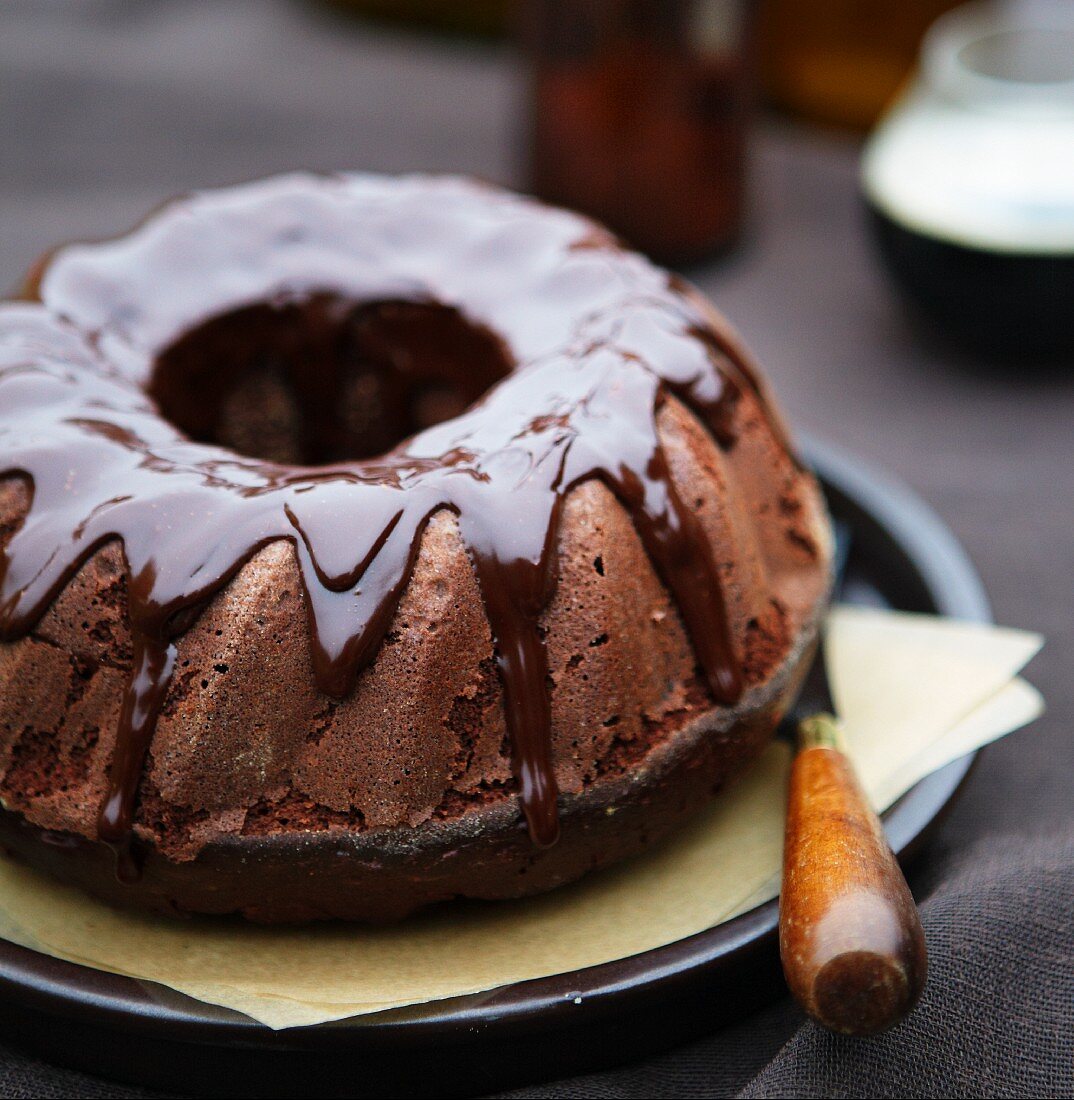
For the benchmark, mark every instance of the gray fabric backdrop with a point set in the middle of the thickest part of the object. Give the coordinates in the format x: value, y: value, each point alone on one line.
x: 107, y: 106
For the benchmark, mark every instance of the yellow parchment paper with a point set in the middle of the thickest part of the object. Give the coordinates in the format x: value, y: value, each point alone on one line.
x: 914, y: 692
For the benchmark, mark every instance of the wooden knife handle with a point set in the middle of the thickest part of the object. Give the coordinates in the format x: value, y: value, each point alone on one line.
x: 849, y: 932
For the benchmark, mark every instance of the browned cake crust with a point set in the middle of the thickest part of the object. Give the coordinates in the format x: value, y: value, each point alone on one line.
x: 264, y: 795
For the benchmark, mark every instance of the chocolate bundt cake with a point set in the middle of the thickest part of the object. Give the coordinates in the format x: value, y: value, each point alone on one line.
x: 369, y: 542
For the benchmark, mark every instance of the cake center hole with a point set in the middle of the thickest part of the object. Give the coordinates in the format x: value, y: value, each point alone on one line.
x: 324, y: 380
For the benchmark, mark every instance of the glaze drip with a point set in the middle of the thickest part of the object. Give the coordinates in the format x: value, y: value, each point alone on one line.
x: 596, y: 340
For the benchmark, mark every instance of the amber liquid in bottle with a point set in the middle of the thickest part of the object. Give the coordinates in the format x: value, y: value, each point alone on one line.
x: 841, y: 62
x: 639, y: 117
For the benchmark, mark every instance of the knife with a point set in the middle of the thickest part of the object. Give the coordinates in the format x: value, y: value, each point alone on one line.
x: 850, y: 936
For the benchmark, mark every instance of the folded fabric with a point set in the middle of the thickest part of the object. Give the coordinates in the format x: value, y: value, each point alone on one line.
x: 996, y: 1018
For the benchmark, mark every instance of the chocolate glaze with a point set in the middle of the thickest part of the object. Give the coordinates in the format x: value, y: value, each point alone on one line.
x: 592, y: 340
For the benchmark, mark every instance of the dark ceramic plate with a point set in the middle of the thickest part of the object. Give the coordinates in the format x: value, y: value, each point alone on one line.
x: 902, y: 556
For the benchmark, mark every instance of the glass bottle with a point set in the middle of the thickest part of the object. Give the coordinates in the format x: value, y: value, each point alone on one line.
x: 639, y: 113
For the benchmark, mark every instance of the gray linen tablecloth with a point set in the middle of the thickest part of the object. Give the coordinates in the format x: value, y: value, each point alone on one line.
x: 107, y: 106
